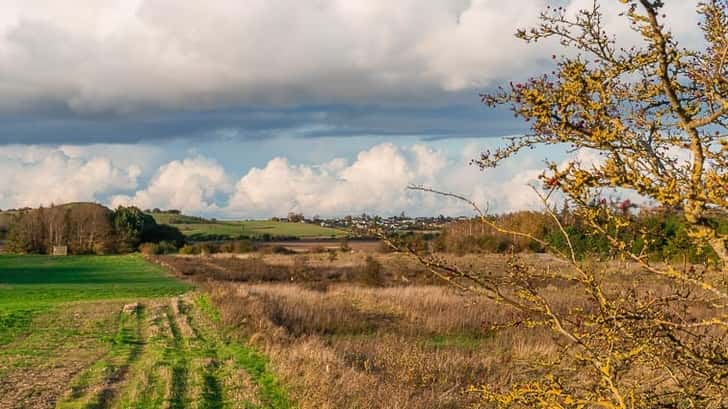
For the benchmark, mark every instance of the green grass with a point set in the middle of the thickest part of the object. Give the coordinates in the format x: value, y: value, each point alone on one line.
x: 127, y: 346
x: 33, y: 284
x: 172, y: 351
x: 459, y: 341
x: 258, y: 228
x: 200, y: 228
x: 270, y: 391
x: 271, y: 394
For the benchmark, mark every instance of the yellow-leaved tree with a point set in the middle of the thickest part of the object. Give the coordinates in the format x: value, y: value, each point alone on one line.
x: 657, y: 335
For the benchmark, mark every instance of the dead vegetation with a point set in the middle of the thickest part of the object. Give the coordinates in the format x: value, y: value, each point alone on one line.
x: 351, y: 331
x: 311, y: 269
x: 364, y: 347
x: 367, y: 332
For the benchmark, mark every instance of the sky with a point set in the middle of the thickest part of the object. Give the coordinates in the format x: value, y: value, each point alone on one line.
x: 255, y: 108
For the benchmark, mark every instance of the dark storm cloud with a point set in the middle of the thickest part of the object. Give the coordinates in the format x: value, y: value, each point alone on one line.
x: 95, y: 71
x: 58, y: 126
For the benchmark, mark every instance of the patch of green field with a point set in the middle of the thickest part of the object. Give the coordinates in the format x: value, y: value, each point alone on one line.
x: 33, y: 284
x: 460, y: 341
x: 270, y: 393
x: 201, y: 228
x: 119, y: 333
x: 258, y: 228
x: 185, y: 361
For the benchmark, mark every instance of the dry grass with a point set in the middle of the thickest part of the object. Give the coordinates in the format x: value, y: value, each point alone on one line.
x: 406, y: 342
x: 396, y: 347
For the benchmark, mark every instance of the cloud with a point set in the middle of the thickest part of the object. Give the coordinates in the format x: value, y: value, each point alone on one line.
x: 376, y: 182
x: 193, y: 185
x: 33, y: 176
x: 124, y: 56
x: 377, y: 179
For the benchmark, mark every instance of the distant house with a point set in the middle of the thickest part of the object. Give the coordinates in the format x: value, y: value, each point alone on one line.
x: 60, y: 251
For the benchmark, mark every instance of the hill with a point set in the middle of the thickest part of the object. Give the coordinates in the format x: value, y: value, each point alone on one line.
x: 85, y: 228
x: 197, y: 228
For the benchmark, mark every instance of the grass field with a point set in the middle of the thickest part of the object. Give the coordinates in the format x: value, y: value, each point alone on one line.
x: 33, y: 284
x: 119, y: 332
x: 343, y: 333
x: 257, y: 228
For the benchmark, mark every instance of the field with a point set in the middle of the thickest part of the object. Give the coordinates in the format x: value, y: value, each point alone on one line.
x: 32, y: 284
x: 258, y: 330
x: 195, y: 227
x: 345, y: 333
x: 119, y: 332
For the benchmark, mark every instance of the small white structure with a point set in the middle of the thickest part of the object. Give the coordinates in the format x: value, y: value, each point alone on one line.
x: 60, y: 251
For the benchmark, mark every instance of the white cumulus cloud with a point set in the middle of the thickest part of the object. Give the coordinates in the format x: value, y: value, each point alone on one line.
x: 32, y: 176
x: 376, y: 182
x: 193, y: 185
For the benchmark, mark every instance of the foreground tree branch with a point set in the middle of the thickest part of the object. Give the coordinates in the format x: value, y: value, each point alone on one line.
x: 654, y: 335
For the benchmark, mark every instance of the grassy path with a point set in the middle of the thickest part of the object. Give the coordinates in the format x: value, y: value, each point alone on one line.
x: 172, y: 355
x: 129, y: 339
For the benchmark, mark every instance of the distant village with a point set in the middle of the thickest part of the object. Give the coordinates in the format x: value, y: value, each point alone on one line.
x: 393, y: 224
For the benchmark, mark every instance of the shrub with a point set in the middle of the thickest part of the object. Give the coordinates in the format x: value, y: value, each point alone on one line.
x: 149, y: 249
x: 237, y: 247
x: 300, y: 268
x: 345, y: 246
x: 189, y: 249
x: 157, y: 233
x: 371, y: 273
x: 166, y: 247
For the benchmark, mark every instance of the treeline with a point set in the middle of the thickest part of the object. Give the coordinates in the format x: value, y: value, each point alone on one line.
x: 661, y: 234
x: 85, y: 228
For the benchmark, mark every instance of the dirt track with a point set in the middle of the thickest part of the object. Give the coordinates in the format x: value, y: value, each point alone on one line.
x: 163, y: 353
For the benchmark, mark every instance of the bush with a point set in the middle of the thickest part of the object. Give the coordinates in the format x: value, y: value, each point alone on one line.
x: 164, y: 247
x: 345, y: 246
x: 149, y: 249
x: 237, y: 247
x: 371, y: 273
x: 318, y: 250
x: 158, y: 233
x: 188, y: 249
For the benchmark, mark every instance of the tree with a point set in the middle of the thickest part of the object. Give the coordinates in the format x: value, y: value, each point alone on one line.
x: 163, y: 233
x: 20, y: 237
x: 295, y: 217
x: 657, y: 114
x: 643, y: 109
x: 83, y: 227
x: 90, y: 229
x: 130, y: 224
